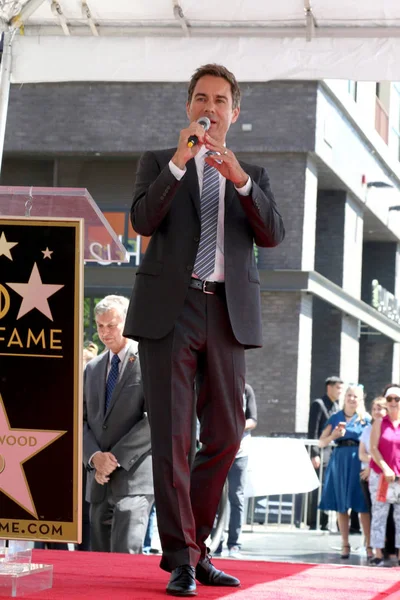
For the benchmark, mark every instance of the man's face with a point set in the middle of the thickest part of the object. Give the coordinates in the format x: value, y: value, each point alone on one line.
x: 335, y: 391
x: 110, y: 326
x: 212, y: 97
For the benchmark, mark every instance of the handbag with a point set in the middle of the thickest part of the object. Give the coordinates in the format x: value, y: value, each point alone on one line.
x: 388, y: 492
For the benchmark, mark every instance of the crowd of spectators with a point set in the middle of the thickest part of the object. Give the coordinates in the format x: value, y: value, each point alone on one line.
x: 362, y: 468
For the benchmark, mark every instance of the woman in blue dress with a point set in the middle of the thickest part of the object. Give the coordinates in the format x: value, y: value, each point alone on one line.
x: 342, y: 489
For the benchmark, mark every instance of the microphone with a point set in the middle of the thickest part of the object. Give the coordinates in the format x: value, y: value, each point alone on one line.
x: 193, y: 139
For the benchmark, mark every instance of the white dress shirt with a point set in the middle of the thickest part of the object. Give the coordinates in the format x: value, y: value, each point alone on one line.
x: 219, y: 269
x: 121, y: 355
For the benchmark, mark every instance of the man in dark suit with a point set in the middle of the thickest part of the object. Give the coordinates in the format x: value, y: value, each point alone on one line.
x: 320, y: 411
x: 194, y: 308
x: 116, y: 437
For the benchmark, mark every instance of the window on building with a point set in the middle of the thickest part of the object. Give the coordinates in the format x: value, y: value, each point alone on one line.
x: 382, y: 105
x: 352, y: 89
x: 396, y: 119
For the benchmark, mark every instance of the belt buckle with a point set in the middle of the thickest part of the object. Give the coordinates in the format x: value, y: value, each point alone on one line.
x: 204, y: 290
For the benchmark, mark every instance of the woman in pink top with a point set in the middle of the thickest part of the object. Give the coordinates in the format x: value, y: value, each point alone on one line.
x: 385, y: 452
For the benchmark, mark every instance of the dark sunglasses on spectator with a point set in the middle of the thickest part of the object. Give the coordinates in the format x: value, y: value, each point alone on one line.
x: 390, y: 398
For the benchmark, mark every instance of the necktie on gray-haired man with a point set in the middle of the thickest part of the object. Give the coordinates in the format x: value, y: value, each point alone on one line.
x: 112, y: 379
x: 209, y: 202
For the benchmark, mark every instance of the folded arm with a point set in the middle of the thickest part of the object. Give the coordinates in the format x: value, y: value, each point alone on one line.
x: 328, y: 435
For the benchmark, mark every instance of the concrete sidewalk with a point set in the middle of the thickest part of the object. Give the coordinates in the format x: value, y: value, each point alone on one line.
x: 299, y: 545
x: 283, y: 543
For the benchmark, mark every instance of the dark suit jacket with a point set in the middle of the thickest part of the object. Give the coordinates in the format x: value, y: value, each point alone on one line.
x: 123, y: 430
x: 320, y: 411
x: 169, y: 211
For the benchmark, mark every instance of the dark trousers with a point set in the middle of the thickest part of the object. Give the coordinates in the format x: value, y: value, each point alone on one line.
x: 85, y: 544
x: 201, y: 346
x: 118, y: 524
x: 236, y: 483
x: 150, y: 529
x: 237, y: 480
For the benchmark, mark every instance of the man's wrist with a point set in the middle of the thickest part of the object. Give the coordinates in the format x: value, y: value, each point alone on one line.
x: 244, y: 186
x: 242, y: 182
x: 90, y: 462
x: 179, y: 162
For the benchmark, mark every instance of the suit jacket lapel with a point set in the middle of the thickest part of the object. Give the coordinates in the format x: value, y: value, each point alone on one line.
x: 229, y: 195
x: 193, y: 184
x: 127, y: 364
x: 126, y: 367
x: 102, y: 383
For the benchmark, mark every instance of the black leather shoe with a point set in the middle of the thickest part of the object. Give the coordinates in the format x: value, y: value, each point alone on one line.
x: 207, y: 574
x: 182, y: 582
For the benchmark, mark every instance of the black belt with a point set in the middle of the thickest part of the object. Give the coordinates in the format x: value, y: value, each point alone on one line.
x: 341, y: 443
x: 208, y: 287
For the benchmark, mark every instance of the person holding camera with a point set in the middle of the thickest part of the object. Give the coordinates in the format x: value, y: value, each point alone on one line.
x: 342, y: 490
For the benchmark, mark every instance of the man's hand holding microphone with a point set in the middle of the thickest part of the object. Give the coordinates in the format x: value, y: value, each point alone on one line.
x: 191, y: 140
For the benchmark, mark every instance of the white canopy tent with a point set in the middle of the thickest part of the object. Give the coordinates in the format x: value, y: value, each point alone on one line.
x: 165, y: 40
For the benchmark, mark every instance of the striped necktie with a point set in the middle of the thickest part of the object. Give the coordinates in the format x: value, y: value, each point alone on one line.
x: 209, y: 203
x: 112, y: 379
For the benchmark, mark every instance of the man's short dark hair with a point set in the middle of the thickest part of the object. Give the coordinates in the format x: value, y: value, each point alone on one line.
x: 333, y: 380
x: 216, y: 71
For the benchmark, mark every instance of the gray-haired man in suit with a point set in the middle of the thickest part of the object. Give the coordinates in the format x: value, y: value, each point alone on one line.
x: 116, y: 438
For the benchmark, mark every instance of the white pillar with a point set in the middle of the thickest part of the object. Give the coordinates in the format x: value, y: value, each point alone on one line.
x: 310, y: 216
x: 352, y: 247
x: 349, y: 350
x: 304, y: 345
x: 5, y: 79
x: 396, y: 362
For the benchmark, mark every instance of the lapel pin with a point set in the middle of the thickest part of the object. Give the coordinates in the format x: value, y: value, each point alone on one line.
x: 132, y: 359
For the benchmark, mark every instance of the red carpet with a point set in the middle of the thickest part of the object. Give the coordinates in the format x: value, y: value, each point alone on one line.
x: 121, y: 577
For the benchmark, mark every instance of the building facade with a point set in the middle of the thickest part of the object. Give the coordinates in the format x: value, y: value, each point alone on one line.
x: 332, y: 153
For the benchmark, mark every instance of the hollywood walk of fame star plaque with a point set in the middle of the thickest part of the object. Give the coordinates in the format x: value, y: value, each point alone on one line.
x: 41, y: 288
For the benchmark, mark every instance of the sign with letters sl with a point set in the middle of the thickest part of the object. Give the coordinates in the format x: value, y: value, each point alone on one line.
x: 40, y: 378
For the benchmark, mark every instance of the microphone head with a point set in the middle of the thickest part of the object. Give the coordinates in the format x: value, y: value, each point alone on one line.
x: 204, y: 122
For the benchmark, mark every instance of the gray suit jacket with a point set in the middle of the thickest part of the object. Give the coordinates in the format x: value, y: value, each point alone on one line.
x: 169, y: 211
x: 124, y: 429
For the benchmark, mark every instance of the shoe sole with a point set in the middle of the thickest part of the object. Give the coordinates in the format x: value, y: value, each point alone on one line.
x: 181, y: 594
x: 220, y: 585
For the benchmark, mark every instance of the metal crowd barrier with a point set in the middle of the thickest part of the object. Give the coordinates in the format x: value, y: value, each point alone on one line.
x: 289, y: 510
